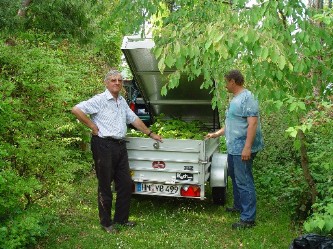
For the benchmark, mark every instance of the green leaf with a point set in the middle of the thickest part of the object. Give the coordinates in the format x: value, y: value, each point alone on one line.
x: 274, y: 56
x: 218, y: 38
x: 290, y: 66
x: 282, y: 62
x: 174, y: 80
x: 293, y: 106
x: 321, y: 224
x: 176, y: 48
x: 302, y: 105
x: 264, y: 53
x: 307, y: 226
x: 164, y: 90
x: 279, y: 75
x: 161, y: 64
x: 188, y: 25
x: 170, y: 60
x: 292, y: 132
x: 329, y: 224
x: 278, y: 104
x: 158, y: 52
x: 207, y: 44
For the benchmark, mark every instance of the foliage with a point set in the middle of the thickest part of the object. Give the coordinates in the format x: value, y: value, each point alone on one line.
x: 24, y: 229
x: 175, y: 128
x: 61, y: 17
x: 275, y: 39
x: 326, y: 17
x: 84, y: 21
x: 40, y: 153
x: 321, y: 220
x: 278, y: 179
x: 9, y: 8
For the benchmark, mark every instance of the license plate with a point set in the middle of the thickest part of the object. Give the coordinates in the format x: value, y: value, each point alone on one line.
x: 158, y: 188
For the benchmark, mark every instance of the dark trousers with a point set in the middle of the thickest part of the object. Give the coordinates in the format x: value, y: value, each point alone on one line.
x: 111, y: 164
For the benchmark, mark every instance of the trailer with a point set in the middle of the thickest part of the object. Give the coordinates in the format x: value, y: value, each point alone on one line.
x: 177, y: 167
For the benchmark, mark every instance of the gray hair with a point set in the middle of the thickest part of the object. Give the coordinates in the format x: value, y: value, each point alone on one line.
x: 110, y: 73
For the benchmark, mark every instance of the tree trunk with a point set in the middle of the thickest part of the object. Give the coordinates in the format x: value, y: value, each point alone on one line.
x: 23, y: 10
x: 317, y: 4
x: 305, y: 166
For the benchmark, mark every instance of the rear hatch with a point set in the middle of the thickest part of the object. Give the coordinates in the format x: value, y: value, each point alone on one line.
x: 187, y: 101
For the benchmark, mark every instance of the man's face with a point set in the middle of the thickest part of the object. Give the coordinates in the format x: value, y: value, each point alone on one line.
x: 114, y: 84
x: 229, y: 85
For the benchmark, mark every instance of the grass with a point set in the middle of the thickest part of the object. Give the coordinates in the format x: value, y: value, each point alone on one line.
x: 165, y: 223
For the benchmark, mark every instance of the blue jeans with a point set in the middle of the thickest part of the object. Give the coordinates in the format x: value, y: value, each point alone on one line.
x: 243, y: 186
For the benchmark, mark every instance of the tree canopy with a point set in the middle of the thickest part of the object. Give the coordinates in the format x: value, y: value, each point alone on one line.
x: 283, y: 48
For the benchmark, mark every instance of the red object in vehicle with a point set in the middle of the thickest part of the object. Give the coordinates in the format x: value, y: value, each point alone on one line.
x: 190, y: 190
x: 132, y: 106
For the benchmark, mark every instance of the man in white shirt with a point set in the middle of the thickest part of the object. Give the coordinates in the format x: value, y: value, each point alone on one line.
x: 108, y: 117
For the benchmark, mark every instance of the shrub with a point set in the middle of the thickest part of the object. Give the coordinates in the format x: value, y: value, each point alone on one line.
x: 278, y: 175
x: 24, y: 229
x: 320, y: 157
x: 8, y: 13
x: 40, y: 146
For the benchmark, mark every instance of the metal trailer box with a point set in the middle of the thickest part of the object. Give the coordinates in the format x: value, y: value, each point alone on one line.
x: 176, y: 167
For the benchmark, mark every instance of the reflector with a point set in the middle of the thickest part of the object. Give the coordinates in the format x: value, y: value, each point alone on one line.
x: 192, y: 190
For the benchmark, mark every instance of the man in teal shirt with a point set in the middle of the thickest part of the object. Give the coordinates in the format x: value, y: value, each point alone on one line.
x: 244, y: 139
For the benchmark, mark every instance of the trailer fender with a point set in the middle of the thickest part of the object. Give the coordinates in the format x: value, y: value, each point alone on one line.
x: 218, y: 170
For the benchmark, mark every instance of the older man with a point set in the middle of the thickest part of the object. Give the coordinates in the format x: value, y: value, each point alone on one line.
x: 108, y: 117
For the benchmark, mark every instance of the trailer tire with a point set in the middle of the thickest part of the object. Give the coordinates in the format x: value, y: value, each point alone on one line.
x: 219, y: 195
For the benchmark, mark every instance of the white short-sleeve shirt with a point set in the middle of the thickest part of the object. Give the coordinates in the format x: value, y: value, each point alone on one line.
x: 109, y: 114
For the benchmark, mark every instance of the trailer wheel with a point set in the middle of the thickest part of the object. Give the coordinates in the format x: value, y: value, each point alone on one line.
x: 219, y: 195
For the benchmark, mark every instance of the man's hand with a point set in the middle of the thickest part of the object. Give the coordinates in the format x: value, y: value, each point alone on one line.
x: 94, y: 130
x: 156, y: 137
x: 210, y: 135
x: 218, y: 133
x: 246, y: 154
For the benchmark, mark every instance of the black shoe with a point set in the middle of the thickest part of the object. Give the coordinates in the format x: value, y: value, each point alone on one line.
x: 232, y: 210
x: 110, y: 229
x: 243, y: 224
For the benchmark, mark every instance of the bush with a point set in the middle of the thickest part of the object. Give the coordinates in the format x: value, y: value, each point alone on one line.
x: 320, y: 157
x: 24, y: 229
x: 70, y: 17
x: 8, y: 14
x: 40, y: 146
x: 278, y: 179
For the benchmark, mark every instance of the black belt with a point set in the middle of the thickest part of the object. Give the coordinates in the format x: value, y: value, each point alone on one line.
x: 115, y: 140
